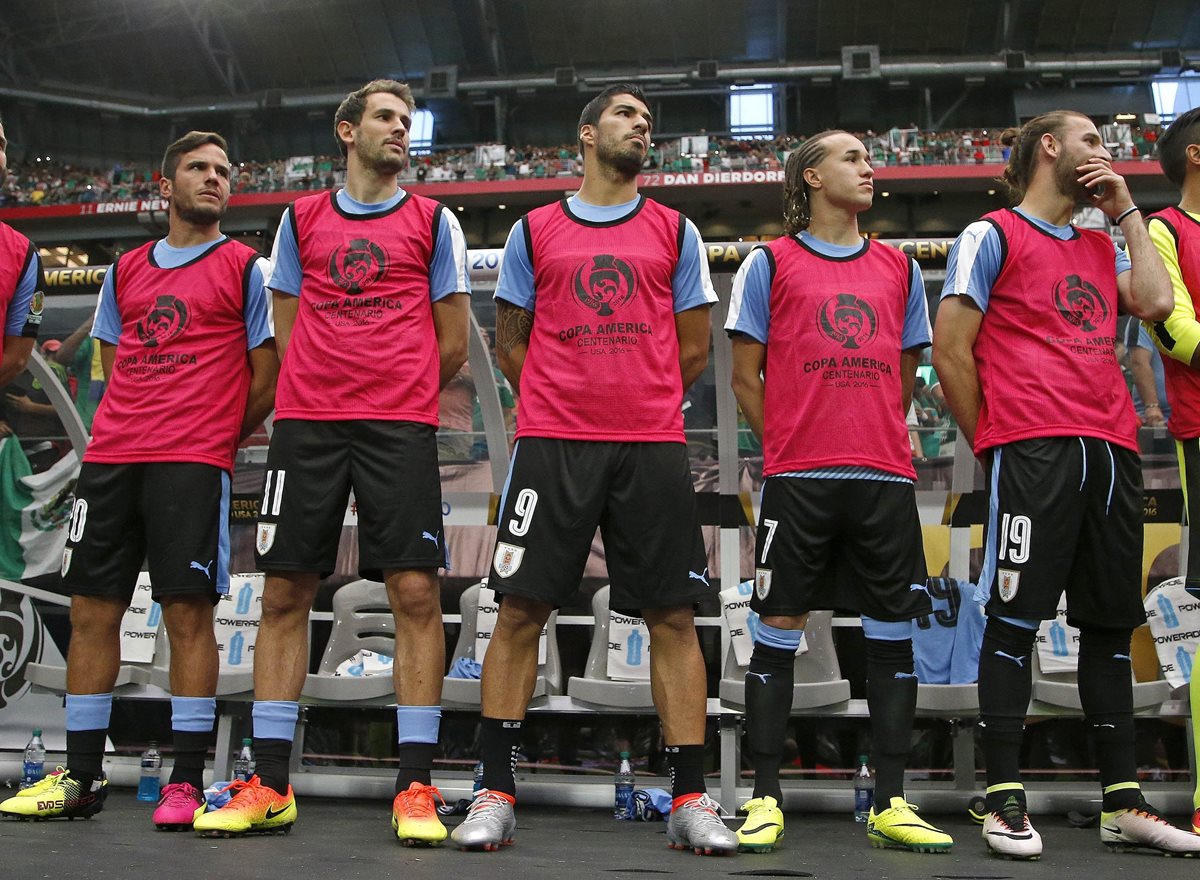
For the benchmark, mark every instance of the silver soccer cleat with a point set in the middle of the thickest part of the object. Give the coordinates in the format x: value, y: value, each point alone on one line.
x: 490, y: 824
x: 1143, y: 828
x: 697, y: 825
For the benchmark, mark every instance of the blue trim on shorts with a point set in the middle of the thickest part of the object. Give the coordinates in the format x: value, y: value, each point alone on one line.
x: 983, y: 591
x: 222, y: 575
x: 886, y: 630
x: 512, y: 465
x: 1022, y: 622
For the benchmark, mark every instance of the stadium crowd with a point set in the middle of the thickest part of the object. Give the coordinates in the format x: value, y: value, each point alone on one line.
x: 45, y: 181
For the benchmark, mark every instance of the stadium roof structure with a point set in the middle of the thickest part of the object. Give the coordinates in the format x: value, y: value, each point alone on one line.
x: 162, y: 57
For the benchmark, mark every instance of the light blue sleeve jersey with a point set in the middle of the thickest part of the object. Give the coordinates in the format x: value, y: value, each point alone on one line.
x: 448, y: 271
x: 24, y: 316
x: 977, y: 254
x: 749, y: 303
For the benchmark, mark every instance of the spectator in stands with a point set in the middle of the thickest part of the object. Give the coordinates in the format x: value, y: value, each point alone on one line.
x: 601, y: 443
x: 357, y: 411
x: 844, y: 495
x: 1065, y: 476
x: 196, y: 301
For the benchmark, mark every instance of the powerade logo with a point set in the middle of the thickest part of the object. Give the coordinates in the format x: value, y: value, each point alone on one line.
x: 848, y: 320
x: 1080, y: 303
x: 605, y: 284
x: 356, y: 266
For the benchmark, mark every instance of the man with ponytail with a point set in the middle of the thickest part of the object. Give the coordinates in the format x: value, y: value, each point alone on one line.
x: 836, y: 324
x: 1058, y: 438
x: 1175, y: 232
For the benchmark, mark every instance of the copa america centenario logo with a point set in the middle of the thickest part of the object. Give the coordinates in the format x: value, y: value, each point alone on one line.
x: 605, y: 284
x: 164, y: 320
x: 1080, y: 304
x: 357, y: 265
x: 21, y: 642
x: 848, y: 320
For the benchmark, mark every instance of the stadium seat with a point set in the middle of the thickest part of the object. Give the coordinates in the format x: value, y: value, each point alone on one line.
x: 1061, y: 690
x: 463, y: 693
x: 819, y: 683
x: 362, y: 621
x: 595, y: 689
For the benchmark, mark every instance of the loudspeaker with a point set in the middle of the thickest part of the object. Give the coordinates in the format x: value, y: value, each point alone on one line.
x: 273, y: 98
x: 564, y: 76
x: 1172, y: 61
x: 860, y: 62
x: 441, y: 82
x: 1014, y: 61
x: 707, y: 70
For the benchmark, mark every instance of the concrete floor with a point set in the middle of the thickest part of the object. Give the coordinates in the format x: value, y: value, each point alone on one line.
x: 344, y: 840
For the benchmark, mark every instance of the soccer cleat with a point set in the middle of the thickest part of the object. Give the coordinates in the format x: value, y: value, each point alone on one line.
x: 414, y: 816
x: 490, y: 824
x: 57, y: 795
x: 763, y: 827
x: 254, y: 808
x: 180, y: 805
x: 1009, y: 834
x: 1196, y: 821
x: 696, y: 825
x: 899, y: 827
x: 1142, y: 827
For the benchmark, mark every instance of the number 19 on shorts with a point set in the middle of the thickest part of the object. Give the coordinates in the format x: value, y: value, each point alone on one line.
x: 1016, y: 533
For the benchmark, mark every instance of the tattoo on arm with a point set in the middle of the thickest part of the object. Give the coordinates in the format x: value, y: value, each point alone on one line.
x: 514, y: 326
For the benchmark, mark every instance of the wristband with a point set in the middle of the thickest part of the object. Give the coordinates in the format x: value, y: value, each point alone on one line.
x: 1126, y: 213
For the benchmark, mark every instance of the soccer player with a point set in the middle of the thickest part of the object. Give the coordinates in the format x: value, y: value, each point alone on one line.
x: 1175, y: 233
x: 184, y: 331
x: 21, y: 297
x: 371, y: 307
x: 827, y: 331
x: 1024, y: 346
x: 602, y: 324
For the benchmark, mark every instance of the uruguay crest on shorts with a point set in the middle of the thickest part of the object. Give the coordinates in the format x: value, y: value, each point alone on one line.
x: 264, y: 537
x: 762, y: 583
x: 507, y: 559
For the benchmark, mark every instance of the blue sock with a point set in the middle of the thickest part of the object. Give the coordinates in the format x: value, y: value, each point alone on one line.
x: 417, y: 731
x: 88, y: 711
x: 275, y: 719
x: 193, y: 714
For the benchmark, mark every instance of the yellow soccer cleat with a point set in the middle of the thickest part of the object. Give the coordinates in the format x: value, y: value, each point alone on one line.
x: 763, y: 827
x: 899, y: 827
x: 414, y: 816
x: 57, y: 795
x: 253, y: 809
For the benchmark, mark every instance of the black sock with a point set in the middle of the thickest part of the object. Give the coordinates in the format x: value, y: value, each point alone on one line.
x: 85, y: 753
x: 1005, y: 685
x: 769, y: 681
x: 892, y: 702
x: 416, y: 759
x: 272, y: 763
x: 687, y: 769
x: 191, y: 749
x: 499, y: 742
x: 1106, y: 692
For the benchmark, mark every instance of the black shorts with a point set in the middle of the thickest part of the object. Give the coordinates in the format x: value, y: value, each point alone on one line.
x: 175, y: 515
x: 311, y: 468
x: 844, y: 544
x: 640, y: 495
x: 1064, y: 513
x: 1189, y: 476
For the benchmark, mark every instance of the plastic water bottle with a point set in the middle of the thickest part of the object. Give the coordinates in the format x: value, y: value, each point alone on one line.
x: 149, y: 784
x: 243, y: 767
x: 35, y: 760
x: 623, y: 782
x: 864, y: 790
x: 478, y: 783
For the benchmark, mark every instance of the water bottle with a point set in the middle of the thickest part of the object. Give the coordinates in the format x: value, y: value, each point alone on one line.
x: 243, y: 767
x: 864, y: 790
x: 623, y: 781
x: 35, y: 760
x: 148, y: 785
x: 478, y: 783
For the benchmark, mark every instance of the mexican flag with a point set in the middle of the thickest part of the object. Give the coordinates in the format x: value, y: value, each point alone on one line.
x: 35, y: 510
